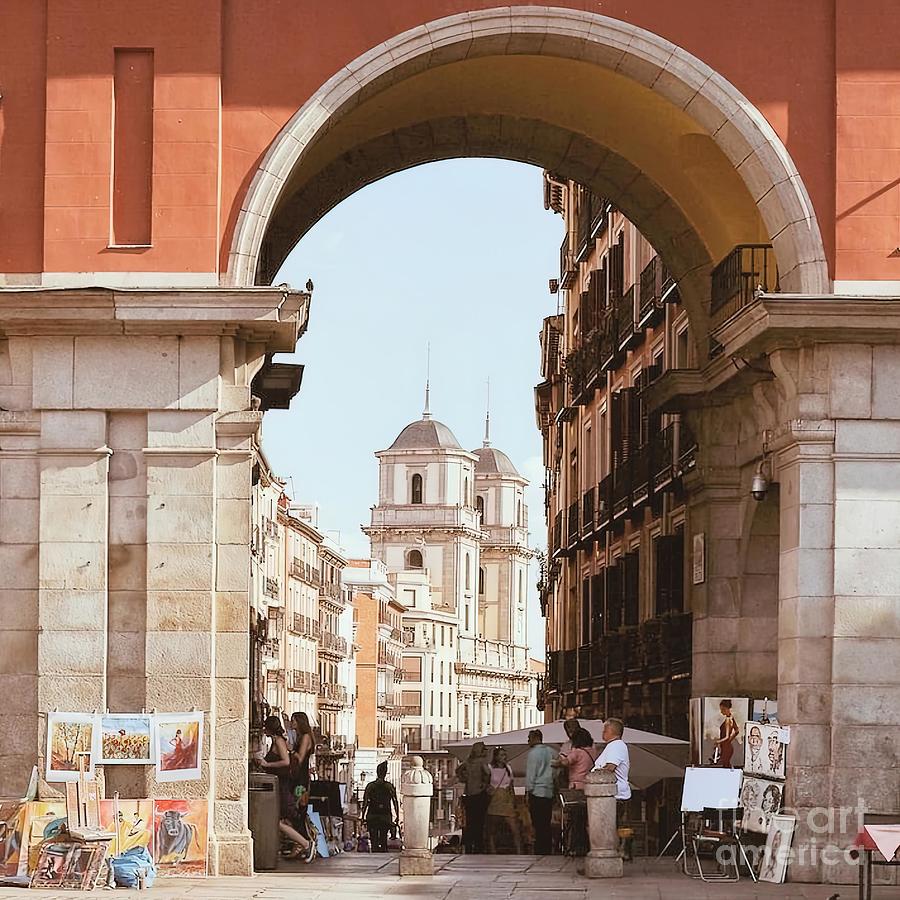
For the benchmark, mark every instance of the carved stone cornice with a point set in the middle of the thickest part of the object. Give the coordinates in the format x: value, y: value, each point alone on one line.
x: 274, y: 316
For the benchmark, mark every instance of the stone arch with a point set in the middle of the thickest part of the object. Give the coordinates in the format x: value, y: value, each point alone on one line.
x: 726, y: 132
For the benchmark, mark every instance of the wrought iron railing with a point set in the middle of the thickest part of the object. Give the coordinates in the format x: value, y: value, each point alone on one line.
x: 749, y: 268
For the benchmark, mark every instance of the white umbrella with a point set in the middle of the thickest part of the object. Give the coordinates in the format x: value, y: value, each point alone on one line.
x: 653, y: 756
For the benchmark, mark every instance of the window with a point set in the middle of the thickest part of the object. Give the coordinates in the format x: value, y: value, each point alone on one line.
x: 479, y: 505
x: 417, y: 488
x: 468, y: 572
x: 465, y: 492
x: 521, y: 590
x: 414, y: 559
x: 467, y: 617
x: 443, y: 636
x: 481, y: 579
x: 518, y: 512
x: 412, y: 700
x: 412, y: 668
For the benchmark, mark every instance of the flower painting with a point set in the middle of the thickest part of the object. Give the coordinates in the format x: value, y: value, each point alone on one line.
x: 125, y: 739
x: 70, y: 738
x: 178, y: 743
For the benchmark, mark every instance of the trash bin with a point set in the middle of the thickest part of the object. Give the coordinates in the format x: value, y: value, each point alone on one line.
x: 264, y: 812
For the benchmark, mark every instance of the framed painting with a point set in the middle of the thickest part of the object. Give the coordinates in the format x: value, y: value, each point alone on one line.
x: 177, y: 745
x: 773, y: 867
x: 724, y: 721
x: 70, y: 736
x: 765, y: 753
x: 12, y: 824
x: 43, y: 819
x: 130, y: 822
x: 125, y: 739
x: 760, y: 799
x: 180, y: 835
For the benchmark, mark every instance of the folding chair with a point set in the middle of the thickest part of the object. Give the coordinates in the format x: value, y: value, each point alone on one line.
x: 718, y: 829
x: 573, y: 833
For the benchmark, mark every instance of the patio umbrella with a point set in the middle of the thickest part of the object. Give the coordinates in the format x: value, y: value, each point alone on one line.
x: 653, y: 756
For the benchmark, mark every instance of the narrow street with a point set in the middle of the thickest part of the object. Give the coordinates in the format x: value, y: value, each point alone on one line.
x: 358, y: 876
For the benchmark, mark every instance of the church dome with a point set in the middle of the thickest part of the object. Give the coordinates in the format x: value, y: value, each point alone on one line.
x: 426, y: 434
x: 494, y: 462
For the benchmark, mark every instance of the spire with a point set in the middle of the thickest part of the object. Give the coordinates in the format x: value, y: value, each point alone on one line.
x: 487, y: 417
x: 426, y: 413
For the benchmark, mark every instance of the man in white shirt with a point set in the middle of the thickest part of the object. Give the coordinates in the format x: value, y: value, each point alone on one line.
x: 614, y: 757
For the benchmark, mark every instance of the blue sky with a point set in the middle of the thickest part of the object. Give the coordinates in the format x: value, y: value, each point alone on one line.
x: 455, y: 253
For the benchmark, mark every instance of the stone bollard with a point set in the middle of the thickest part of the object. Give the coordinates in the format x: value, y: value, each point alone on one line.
x: 604, y: 859
x: 416, y: 790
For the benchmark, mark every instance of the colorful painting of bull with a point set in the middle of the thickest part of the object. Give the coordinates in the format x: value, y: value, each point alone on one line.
x: 180, y: 831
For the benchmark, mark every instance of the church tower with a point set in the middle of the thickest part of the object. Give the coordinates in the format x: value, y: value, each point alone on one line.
x: 425, y: 517
x: 505, y: 555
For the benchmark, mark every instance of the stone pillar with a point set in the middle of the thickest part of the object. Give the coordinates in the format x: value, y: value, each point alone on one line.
x: 416, y: 790
x: 603, y: 859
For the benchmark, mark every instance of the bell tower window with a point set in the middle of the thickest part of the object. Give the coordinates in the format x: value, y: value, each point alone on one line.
x: 416, y: 488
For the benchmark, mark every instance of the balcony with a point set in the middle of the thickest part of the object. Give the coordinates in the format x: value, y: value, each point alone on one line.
x: 604, y: 502
x: 572, y: 529
x: 305, y: 626
x: 568, y: 675
x: 662, y: 457
x: 687, y: 449
x: 651, y: 308
x: 409, y: 711
x: 557, y: 546
x: 640, y: 477
x: 748, y: 269
x: 587, y: 513
x: 627, y: 333
x: 303, y: 682
x: 621, y: 489
x: 272, y: 588
x: 332, y: 694
x: 386, y: 700
x: 271, y: 648
x: 332, y: 645
x: 568, y: 268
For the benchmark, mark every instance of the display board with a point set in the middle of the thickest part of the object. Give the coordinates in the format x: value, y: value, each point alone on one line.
x: 710, y: 788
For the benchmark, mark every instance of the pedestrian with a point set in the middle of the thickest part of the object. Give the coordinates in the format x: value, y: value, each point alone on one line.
x: 501, y: 809
x: 476, y: 776
x: 539, y: 789
x: 580, y: 759
x: 616, y: 758
x: 378, y: 799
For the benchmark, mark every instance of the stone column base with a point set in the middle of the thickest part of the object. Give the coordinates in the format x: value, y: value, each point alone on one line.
x: 231, y: 854
x: 603, y: 864
x: 416, y: 862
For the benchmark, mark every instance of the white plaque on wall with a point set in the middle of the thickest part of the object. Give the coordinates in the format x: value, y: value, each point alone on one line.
x: 699, y: 558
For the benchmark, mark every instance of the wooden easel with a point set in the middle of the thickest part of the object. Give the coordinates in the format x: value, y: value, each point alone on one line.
x: 83, y: 799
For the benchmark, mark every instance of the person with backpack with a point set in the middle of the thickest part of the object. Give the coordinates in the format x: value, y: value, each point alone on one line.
x: 378, y: 798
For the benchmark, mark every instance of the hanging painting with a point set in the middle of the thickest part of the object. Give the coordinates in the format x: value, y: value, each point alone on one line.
x: 70, y: 737
x: 778, y: 849
x: 724, y: 719
x: 177, y: 744
x: 180, y: 831
x: 130, y: 822
x: 125, y: 739
x: 764, y: 751
x: 760, y: 800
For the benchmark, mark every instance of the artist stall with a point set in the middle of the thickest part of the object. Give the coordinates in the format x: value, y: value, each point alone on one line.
x: 85, y: 839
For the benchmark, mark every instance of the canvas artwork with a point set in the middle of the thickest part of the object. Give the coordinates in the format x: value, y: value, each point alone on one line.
x: 12, y: 823
x: 760, y: 800
x: 69, y: 736
x: 764, y: 753
x: 765, y: 711
x: 180, y: 831
x: 778, y: 849
x: 130, y: 822
x: 125, y: 739
x: 43, y: 819
x: 178, y: 740
x: 724, y: 720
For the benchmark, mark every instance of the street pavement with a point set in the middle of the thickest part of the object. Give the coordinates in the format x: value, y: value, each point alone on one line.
x: 357, y: 876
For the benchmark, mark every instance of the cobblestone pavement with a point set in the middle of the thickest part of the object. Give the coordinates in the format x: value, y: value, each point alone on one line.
x: 359, y: 876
